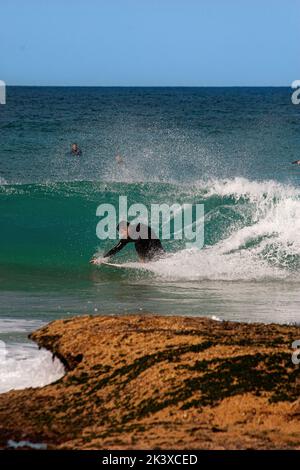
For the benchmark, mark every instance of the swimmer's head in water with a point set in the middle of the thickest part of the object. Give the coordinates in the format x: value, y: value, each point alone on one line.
x: 119, y: 159
x: 122, y: 228
x: 74, y: 147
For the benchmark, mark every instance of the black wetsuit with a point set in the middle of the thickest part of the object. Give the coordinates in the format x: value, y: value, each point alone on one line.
x: 147, y: 245
x: 76, y: 153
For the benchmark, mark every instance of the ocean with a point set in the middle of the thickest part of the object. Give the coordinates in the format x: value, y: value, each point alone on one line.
x: 227, y: 148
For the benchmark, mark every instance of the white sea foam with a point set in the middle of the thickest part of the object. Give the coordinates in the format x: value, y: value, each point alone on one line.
x: 215, y: 318
x: 20, y: 325
x: 212, y: 264
x: 21, y: 444
x: 254, y: 190
x: 24, y: 365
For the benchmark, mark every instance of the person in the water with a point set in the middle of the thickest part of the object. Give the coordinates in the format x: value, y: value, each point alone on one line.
x: 147, y: 244
x: 119, y: 160
x: 75, y: 150
x: 296, y: 162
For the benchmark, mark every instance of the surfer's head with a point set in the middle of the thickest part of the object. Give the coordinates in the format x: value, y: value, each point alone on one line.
x: 75, y: 149
x: 122, y: 228
x: 119, y: 159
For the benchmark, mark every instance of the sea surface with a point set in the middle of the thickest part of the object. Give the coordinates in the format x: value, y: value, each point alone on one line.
x: 227, y: 148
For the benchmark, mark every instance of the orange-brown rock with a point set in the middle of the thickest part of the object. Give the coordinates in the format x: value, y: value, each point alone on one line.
x: 144, y: 381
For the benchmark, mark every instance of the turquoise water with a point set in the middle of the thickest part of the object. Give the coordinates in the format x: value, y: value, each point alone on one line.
x: 229, y: 149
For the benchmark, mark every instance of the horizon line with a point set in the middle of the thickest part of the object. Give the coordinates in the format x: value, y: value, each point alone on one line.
x: 148, y: 86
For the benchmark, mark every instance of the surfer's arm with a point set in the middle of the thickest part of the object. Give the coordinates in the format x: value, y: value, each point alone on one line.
x: 116, y: 248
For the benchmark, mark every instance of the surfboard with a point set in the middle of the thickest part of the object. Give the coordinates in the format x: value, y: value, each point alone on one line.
x: 132, y: 266
x: 118, y: 266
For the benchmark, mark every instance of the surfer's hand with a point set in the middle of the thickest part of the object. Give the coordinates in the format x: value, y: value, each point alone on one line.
x: 96, y: 261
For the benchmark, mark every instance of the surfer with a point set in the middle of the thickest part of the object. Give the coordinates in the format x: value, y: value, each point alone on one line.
x: 75, y: 150
x: 296, y: 162
x: 147, y: 244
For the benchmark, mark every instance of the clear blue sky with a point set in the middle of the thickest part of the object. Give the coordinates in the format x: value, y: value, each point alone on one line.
x: 149, y: 42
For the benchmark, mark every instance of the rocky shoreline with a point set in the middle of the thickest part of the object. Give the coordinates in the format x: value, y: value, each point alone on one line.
x: 145, y: 382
